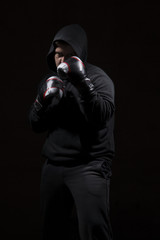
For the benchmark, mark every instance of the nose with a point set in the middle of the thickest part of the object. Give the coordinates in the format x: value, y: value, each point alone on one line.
x: 62, y: 59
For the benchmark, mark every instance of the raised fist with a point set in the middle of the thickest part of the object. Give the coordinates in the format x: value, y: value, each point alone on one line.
x: 73, y: 68
x: 52, y: 88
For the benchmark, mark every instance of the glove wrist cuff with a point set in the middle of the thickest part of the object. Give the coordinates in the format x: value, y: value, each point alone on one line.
x: 86, y: 88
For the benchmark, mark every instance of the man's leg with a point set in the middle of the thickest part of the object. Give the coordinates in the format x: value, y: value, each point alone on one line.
x: 56, y: 203
x: 90, y: 191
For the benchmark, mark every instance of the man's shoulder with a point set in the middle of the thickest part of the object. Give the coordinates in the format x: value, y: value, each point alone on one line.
x: 95, y: 71
x: 93, y: 68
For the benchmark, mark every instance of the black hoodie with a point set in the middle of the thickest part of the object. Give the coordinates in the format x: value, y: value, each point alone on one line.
x: 79, y: 129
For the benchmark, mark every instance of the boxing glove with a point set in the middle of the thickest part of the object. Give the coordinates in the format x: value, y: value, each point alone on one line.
x: 53, y: 87
x: 74, y: 70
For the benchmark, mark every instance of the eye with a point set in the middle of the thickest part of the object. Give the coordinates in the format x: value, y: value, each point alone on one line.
x: 59, y: 54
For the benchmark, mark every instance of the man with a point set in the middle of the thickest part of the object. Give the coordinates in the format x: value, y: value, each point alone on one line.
x: 75, y: 104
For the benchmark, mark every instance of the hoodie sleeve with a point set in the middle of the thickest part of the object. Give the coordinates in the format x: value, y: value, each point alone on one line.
x: 38, y: 122
x: 99, y: 107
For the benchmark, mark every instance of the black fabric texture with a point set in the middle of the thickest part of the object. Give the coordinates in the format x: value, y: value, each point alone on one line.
x: 75, y: 202
x: 78, y: 129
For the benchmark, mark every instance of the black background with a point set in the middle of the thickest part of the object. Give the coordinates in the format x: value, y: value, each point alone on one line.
x: 124, y: 40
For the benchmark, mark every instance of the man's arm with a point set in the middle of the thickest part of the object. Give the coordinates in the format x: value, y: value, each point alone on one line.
x: 96, y: 90
x: 48, y: 97
x: 99, y: 107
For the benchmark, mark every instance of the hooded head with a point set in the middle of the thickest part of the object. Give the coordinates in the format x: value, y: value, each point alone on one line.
x: 75, y: 36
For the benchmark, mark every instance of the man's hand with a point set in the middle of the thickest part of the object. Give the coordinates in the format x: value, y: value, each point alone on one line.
x: 74, y: 69
x: 52, y: 88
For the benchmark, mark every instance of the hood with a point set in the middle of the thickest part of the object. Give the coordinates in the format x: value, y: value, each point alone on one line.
x: 75, y: 36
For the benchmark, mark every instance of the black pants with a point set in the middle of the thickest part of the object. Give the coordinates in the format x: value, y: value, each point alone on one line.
x: 75, y: 202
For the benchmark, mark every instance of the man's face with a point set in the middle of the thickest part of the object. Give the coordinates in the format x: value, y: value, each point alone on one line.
x: 63, y: 52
